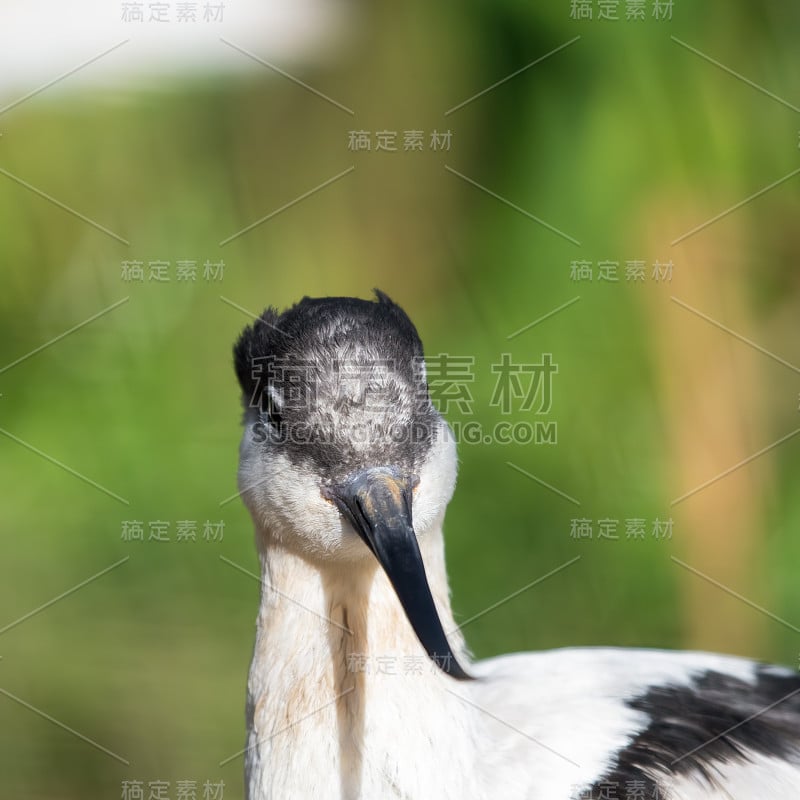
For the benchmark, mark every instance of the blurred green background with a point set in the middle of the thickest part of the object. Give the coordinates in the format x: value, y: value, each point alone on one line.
x: 624, y: 140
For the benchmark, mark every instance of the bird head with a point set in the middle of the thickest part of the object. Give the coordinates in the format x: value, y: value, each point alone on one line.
x: 344, y: 457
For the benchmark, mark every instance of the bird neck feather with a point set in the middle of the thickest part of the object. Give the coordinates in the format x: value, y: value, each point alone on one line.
x: 343, y: 701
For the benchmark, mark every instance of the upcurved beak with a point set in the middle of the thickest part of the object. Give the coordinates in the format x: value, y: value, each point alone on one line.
x: 377, y: 503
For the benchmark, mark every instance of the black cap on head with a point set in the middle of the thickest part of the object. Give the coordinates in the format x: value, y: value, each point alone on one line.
x: 339, y: 377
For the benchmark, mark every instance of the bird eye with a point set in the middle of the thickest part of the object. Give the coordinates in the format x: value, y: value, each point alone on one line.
x: 272, y: 408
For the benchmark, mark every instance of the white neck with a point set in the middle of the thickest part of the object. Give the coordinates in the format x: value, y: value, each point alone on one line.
x: 335, y: 714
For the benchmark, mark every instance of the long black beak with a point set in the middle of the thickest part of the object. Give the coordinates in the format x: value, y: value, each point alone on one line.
x: 377, y: 502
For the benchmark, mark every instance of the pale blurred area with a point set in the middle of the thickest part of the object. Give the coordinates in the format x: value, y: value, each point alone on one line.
x: 228, y: 144
x: 41, y: 39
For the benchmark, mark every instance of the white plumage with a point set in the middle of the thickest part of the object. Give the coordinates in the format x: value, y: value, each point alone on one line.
x: 344, y: 698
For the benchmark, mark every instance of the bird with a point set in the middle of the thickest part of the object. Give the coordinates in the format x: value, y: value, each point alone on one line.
x: 361, y: 685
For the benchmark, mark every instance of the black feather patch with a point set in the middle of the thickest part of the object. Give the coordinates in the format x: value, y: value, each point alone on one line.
x: 329, y: 370
x: 717, y: 719
x: 255, y: 339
